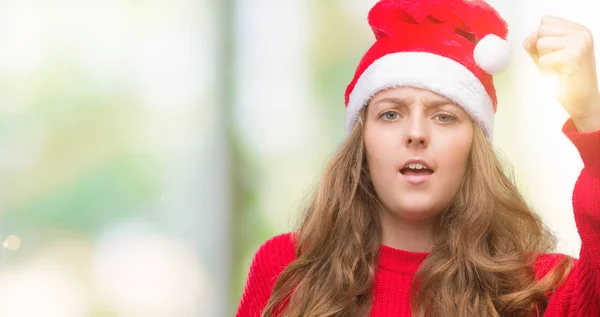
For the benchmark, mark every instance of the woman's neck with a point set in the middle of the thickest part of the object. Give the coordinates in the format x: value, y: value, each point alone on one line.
x: 408, y: 235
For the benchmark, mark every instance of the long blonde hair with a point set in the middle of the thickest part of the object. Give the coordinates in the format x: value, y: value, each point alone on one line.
x: 482, y: 264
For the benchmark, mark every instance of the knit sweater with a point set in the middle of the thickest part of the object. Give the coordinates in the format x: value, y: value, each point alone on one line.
x: 578, y: 296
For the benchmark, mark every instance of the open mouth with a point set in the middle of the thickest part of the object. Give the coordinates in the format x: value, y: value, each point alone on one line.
x: 416, y: 169
x: 416, y: 173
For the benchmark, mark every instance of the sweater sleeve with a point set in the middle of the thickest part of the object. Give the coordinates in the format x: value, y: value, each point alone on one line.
x: 268, y: 262
x: 579, y: 296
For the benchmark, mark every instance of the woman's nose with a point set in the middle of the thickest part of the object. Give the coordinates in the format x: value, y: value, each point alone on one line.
x: 417, y: 134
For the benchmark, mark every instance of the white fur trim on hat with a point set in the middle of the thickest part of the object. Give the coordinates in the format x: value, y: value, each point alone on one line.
x: 423, y: 70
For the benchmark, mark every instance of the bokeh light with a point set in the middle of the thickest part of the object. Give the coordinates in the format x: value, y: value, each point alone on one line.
x: 142, y: 273
x: 12, y: 242
x: 41, y: 288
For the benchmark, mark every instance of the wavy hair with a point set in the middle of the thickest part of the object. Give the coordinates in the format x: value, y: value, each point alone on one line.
x: 482, y: 263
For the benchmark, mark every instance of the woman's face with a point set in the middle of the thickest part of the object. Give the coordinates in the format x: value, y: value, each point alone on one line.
x: 417, y: 144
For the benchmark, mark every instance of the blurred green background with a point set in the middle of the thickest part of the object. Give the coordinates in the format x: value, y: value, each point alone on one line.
x: 149, y: 147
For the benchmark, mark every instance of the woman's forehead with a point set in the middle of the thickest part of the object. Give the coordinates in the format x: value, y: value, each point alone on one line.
x: 408, y: 96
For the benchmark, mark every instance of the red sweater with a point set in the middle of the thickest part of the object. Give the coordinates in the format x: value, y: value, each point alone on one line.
x: 578, y: 296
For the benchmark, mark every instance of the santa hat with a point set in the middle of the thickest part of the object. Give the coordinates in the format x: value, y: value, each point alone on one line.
x: 451, y: 47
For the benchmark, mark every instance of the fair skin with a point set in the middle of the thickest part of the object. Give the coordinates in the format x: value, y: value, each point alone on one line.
x: 408, y: 123
x: 566, y: 49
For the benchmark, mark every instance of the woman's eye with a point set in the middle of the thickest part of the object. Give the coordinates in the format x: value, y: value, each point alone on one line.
x: 445, y: 117
x: 390, y: 115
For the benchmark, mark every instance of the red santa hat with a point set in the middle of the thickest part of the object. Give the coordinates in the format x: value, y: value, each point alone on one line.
x: 451, y: 47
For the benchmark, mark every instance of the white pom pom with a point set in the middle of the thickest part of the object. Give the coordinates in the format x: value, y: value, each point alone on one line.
x: 492, y: 54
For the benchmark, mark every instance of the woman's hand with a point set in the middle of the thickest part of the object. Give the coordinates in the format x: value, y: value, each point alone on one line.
x: 566, y: 49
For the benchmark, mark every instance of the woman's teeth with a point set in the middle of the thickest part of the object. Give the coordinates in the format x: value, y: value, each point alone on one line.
x: 416, y: 166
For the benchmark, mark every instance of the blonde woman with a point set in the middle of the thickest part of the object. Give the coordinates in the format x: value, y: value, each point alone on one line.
x: 415, y: 215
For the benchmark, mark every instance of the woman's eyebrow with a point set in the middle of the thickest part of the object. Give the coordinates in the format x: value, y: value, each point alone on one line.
x: 403, y: 102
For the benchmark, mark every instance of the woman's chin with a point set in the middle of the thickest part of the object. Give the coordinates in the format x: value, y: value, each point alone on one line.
x: 416, y: 210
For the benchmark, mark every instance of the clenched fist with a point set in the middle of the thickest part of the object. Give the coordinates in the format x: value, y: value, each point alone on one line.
x: 566, y: 49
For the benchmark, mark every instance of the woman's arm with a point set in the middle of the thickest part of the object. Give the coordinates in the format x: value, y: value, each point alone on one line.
x: 566, y: 49
x: 579, y: 295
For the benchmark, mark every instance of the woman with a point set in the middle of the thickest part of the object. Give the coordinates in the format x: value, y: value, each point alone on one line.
x: 414, y: 215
